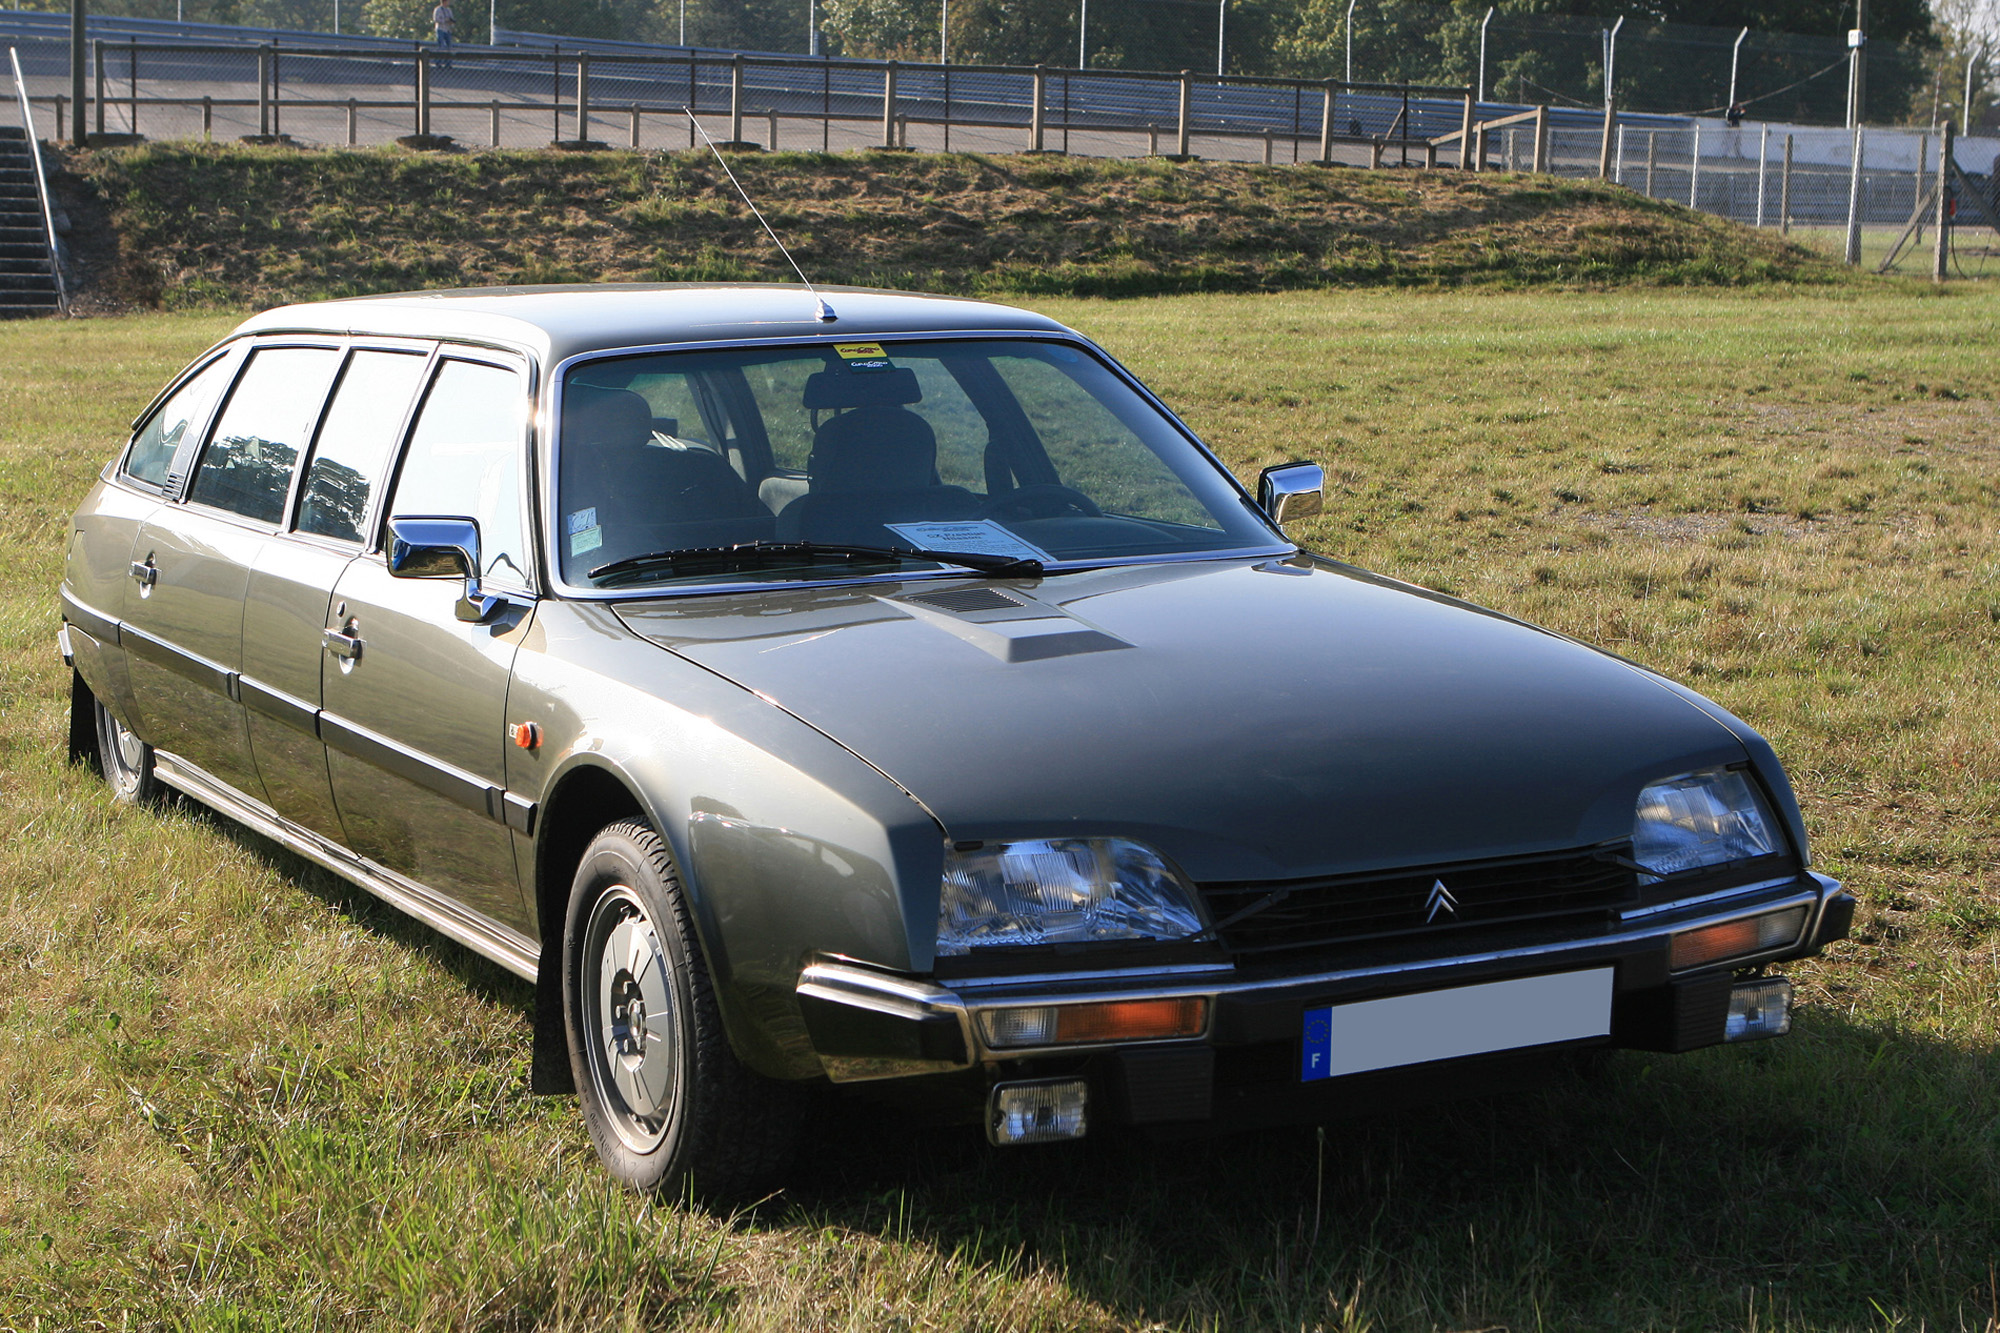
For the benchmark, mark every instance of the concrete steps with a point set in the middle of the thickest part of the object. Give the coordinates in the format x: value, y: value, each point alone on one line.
x: 27, y: 275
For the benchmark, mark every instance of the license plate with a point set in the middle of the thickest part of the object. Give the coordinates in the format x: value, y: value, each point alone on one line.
x: 1445, y: 1024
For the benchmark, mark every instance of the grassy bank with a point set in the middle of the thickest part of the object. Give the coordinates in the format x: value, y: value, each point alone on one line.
x: 185, y: 225
x: 236, y: 1094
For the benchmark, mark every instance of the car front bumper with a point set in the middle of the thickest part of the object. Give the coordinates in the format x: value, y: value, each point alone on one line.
x: 866, y: 1024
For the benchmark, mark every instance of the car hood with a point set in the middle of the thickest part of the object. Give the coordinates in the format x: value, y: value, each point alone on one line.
x: 1250, y: 720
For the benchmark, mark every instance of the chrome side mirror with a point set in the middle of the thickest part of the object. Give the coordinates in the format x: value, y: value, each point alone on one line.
x: 442, y: 548
x: 1291, y: 490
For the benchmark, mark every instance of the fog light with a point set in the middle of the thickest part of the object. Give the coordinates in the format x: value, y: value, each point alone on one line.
x: 1759, y: 1009
x: 1079, y: 1024
x: 1045, y: 1112
x: 1736, y: 939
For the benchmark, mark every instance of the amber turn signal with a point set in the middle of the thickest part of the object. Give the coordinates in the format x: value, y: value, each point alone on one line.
x: 527, y: 735
x: 1736, y: 939
x: 1092, y: 1024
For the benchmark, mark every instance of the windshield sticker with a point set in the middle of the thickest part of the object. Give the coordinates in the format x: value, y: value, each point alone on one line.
x: 875, y: 367
x: 972, y: 537
x: 581, y: 519
x: 587, y: 540
x: 859, y: 351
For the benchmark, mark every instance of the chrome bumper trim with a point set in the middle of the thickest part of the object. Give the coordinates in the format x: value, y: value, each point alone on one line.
x: 885, y: 993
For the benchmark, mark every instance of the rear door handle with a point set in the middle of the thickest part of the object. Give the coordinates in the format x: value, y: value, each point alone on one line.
x: 344, y: 643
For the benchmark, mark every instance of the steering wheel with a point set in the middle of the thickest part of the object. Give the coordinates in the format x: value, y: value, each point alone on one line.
x: 1044, y: 500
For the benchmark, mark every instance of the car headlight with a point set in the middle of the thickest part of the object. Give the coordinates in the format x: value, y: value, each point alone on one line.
x: 1702, y: 819
x: 1060, y: 891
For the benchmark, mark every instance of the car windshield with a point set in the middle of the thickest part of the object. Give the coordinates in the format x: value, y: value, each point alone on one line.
x: 761, y: 463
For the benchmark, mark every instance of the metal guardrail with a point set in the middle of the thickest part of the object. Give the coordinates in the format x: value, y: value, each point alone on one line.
x: 41, y: 182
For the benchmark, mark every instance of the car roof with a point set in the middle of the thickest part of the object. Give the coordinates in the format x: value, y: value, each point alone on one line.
x: 558, y: 322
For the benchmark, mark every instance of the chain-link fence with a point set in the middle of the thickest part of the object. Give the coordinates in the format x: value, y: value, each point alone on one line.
x: 1524, y: 58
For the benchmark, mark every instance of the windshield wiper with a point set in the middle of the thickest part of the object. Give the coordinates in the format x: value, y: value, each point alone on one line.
x: 751, y: 555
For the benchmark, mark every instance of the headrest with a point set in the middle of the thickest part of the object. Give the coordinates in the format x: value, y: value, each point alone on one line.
x: 605, y: 418
x: 876, y: 449
x: 850, y: 388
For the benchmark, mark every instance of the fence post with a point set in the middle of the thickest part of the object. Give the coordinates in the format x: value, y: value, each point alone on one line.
x: 1853, y: 253
x: 1694, y: 169
x: 97, y: 59
x: 1923, y: 169
x: 1465, y: 137
x: 1541, y: 139
x: 1604, y: 149
x: 1652, y: 159
x: 1375, y: 147
x: 1785, y: 192
x: 583, y: 96
x: 1326, y: 125
x: 1041, y: 86
x: 207, y: 118
x: 493, y: 127
x: 1479, y: 148
x: 1152, y: 141
x: 132, y: 77
x: 1618, y: 171
x: 62, y: 105
x: 1187, y: 114
x: 353, y: 122
x: 263, y: 90
x: 1943, y: 246
x: 736, y: 100
x: 423, y: 99
x: 1763, y: 167
x: 889, y: 104
x: 635, y: 124
x: 1267, y: 148
x: 555, y: 96
x: 277, y: 94
x: 772, y: 145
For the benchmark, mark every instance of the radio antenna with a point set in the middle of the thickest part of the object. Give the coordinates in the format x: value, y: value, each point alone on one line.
x: 821, y: 309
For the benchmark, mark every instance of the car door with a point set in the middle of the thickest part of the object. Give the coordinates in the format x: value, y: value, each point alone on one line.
x: 292, y: 579
x: 415, y: 703
x: 183, y: 631
x: 99, y: 578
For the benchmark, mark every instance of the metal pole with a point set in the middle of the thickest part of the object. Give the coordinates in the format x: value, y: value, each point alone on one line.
x: 1482, y: 54
x: 1965, y: 113
x: 131, y: 79
x: 1923, y: 169
x: 736, y: 99
x: 1618, y: 167
x: 1326, y: 126
x: 97, y: 68
x: 1652, y: 159
x: 1604, y: 148
x: 493, y: 23
x: 582, y: 98
x: 277, y: 97
x: 77, y: 134
x: 944, y: 42
x: 1035, y: 115
x: 1694, y: 169
x: 889, y: 105
x: 1735, y: 52
x: 812, y: 26
x: 1465, y: 137
x: 1611, y: 63
x: 1763, y: 167
x: 1785, y: 192
x: 1187, y: 112
x: 1854, y: 200
x: 1082, y: 31
x: 1942, y: 249
x: 423, y: 97
x: 1221, y: 26
x: 1349, y: 78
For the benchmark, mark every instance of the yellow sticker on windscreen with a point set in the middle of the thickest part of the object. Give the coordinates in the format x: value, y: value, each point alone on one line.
x: 859, y: 351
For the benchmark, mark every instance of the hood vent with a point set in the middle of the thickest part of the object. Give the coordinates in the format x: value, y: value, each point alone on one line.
x: 965, y: 601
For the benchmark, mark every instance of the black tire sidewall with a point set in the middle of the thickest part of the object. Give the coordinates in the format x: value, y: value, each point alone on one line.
x: 632, y: 856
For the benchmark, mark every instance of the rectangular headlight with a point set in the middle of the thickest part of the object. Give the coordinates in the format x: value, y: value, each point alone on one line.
x: 1700, y: 819
x: 1060, y: 891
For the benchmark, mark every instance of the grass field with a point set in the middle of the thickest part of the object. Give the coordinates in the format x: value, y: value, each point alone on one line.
x: 235, y: 1094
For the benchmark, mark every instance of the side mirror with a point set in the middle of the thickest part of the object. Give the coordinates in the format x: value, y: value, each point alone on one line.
x: 442, y: 548
x: 1291, y: 490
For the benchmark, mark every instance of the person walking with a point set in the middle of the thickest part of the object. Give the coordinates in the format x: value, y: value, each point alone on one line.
x: 446, y: 22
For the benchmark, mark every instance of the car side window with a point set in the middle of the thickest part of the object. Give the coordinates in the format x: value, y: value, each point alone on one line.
x: 154, y: 447
x: 464, y: 459
x: 355, y: 440
x: 247, y: 467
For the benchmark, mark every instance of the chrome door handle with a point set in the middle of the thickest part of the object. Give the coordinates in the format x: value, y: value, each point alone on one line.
x: 145, y: 572
x: 343, y: 643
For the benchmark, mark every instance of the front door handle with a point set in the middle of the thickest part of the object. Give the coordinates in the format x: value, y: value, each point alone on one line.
x: 146, y: 572
x: 344, y: 643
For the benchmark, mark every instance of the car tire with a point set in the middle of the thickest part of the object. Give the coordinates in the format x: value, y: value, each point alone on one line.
x: 126, y: 760
x: 668, y: 1105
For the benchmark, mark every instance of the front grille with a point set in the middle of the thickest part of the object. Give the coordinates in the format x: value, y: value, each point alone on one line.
x: 1277, y: 916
